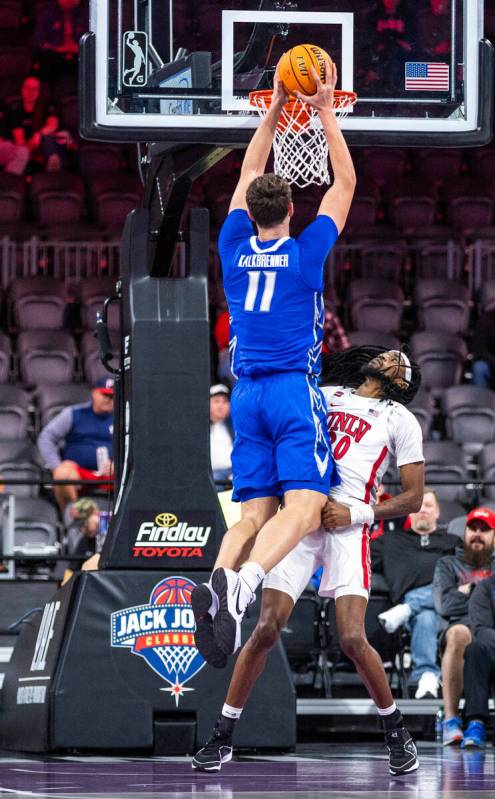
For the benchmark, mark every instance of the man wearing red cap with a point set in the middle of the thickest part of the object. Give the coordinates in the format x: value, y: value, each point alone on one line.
x: 77, y: 443
x: 454, y: 579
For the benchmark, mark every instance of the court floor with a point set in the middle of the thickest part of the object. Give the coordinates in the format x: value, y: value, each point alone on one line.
x: 314, y: 772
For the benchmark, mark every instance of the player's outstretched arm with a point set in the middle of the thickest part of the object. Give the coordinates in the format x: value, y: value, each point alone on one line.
x: 337, y: 200
x: 259, y: 147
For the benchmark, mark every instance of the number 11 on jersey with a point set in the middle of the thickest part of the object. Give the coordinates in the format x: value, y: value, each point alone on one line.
x: 252, y: 292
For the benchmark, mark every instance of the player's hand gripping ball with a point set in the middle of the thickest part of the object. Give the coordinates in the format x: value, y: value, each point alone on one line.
x: 294, y: 68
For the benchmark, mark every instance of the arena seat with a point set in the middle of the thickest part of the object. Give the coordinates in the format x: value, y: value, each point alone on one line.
x: 12, y: 195
x: 470, y: 212
x: 442, y: 305
x: 18, y: 461
x: 487, y: 295
x: 422, y: 407
x: 114, y: 206
x: 441, y: 357
x: 69, y: 113
x: 483, y: 163
x: 35, y: 524
x: 486, y: 461
x: 46, y: 356
x: 457, y: 526
x: 363, y: 211
x: 5, y: 357
x: 95, y: 158
x: 384, y: 260
x: 444, y: 460
x: 37, y: 302
x: 438, y: 259
x: 375, y: 304
x: 90, y: 355
x: 52, y: 399
x: 14, y: 412
x: 94, y: 291
x: 470, y: 416
x: 411, y: 212
x: 59, y: 207
x: 383, y: 164
x: 375, y: 338
x: 438, y: 165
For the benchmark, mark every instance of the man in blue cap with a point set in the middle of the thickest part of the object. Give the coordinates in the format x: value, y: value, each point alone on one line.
x: 77, y: 443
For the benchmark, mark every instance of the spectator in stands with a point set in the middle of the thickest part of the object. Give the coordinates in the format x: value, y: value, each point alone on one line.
x: 484, y: 348
x: 334, y: 336
x: 82, y: 519
x: 13, y: 157
x: 407, y: 559
x: 479, y: 663
x: 391, y: 37
x: 453, y: 582
x: 69, y: 442
x: 222, y: 335
x: 58, y: 30
x: 435, y: 29
x: 221, y: 434
x: 34, y: 124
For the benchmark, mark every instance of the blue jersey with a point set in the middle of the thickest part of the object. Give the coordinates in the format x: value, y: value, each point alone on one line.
x: 274, y: 292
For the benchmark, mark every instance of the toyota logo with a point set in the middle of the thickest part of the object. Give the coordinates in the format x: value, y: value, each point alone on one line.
x: 166, y: 520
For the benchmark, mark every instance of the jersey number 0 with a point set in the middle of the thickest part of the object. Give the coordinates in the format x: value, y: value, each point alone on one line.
x: 252, y: 292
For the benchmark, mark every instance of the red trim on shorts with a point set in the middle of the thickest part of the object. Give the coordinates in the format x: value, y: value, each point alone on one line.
x: 365, y: 556
x: 371, y: 481
x: 89, y: 474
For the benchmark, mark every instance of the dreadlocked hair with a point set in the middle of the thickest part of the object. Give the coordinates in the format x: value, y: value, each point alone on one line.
x: 345, y: 369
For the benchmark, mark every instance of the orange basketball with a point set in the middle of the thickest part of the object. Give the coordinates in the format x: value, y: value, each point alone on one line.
x: 294, y: 68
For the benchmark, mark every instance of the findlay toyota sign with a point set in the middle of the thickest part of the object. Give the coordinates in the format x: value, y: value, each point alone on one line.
x: 172, y: 535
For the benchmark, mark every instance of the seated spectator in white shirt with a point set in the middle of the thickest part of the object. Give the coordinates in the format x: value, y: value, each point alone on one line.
x: 221, y: 434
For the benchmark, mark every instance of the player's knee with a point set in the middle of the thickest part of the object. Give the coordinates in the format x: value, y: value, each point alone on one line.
x: 354, y: 644
x: 266, y: 634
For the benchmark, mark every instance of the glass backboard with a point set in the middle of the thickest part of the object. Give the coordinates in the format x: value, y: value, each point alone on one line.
x: 182, y: 70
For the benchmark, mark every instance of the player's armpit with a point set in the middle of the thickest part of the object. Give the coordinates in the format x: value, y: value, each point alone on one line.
x: 412, y: 478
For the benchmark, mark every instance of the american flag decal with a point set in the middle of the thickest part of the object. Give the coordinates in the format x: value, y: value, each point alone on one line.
x: 427, y: 77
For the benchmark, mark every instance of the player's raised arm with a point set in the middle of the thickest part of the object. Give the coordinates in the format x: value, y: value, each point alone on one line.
x: 337, y: 200
x: 259, y: 147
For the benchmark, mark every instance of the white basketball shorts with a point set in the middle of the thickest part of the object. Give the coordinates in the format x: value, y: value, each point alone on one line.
x: 344, y: 555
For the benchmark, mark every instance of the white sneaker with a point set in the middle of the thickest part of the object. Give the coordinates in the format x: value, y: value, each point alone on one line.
x: 233, y: 598
x: 392, y: 619
x: 427, y: 686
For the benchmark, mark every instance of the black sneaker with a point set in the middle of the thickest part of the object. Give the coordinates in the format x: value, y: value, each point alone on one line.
x: 217, y: 750
x: 402, y: 754
x: 201, y: 601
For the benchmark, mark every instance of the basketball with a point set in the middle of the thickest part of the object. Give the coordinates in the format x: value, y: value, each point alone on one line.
x: 295, y: 68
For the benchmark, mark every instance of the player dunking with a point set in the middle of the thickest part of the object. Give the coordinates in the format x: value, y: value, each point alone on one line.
x: 368, y: 425
x: 273, y: 284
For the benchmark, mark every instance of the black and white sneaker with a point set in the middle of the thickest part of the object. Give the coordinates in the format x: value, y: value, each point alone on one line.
x: 217, y: 750
x: 227, y: 622
x: 204, y: 605
x: 402, y: 753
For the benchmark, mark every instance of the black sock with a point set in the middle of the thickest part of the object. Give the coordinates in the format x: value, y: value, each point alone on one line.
x: 392, y: 721
x: 226, y: 725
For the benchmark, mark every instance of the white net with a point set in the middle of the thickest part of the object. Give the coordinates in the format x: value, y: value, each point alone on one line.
x: 300, y: 148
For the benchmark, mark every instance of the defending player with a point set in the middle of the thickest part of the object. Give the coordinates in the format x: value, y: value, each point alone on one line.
x: 273, y: 285
x: 368, y: 425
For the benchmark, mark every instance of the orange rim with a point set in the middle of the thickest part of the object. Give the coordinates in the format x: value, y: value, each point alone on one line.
x: 341, y: 99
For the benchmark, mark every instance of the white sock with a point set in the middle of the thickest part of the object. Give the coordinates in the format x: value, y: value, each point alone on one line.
x: 386, y: 711
x: 252, y: 574
x: 231, y: 712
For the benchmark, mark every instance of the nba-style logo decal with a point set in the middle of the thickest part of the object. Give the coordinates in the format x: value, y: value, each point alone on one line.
x: 162, y: 632
x: 135, y: 59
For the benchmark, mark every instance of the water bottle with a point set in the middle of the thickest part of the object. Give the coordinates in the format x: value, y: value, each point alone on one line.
x: 102, y: 458
x: 104, y: 517
x: 439, y: 717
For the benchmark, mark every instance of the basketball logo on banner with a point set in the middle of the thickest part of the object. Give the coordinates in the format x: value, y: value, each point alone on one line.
x: 135, y: 59
x: 162, y: 633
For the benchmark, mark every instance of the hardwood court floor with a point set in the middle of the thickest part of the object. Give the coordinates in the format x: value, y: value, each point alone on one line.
x: 314, y: 772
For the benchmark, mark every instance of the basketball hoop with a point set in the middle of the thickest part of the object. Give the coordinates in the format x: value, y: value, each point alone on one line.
x: 299, y: 146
